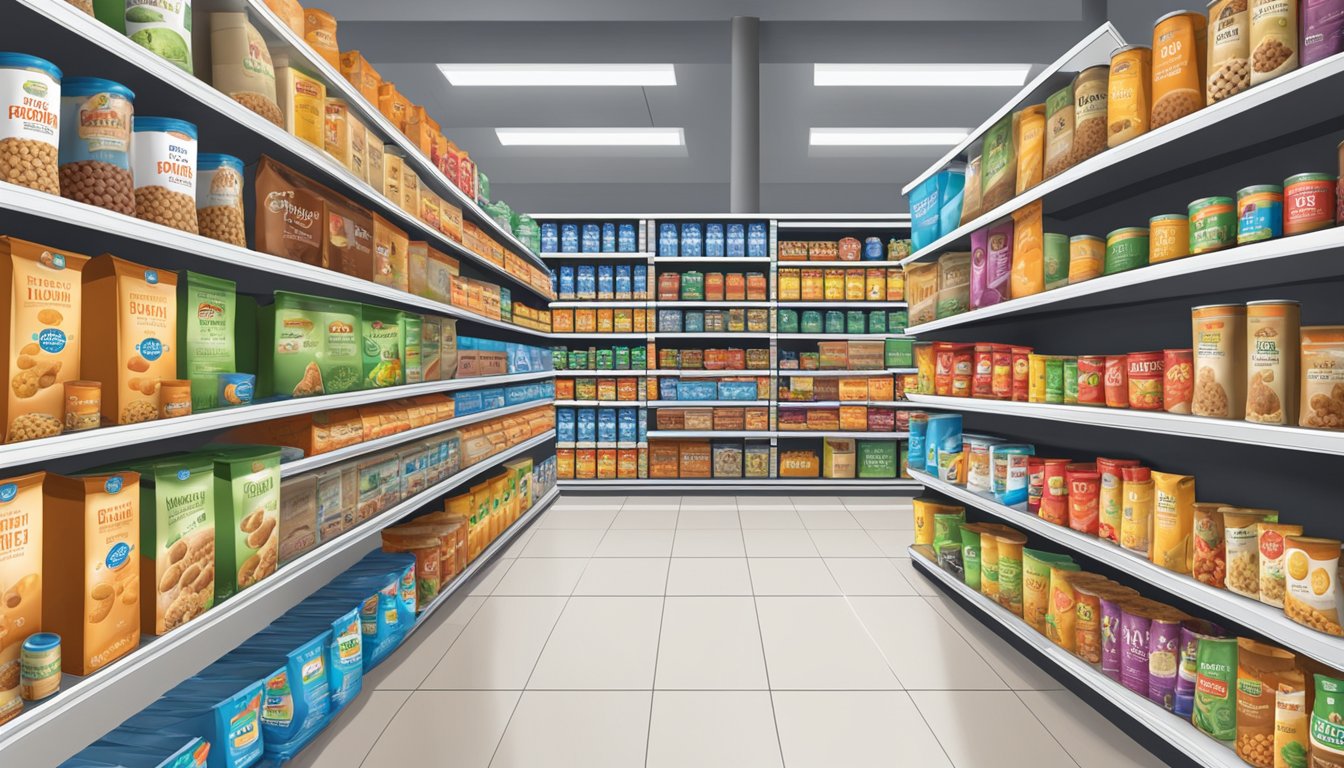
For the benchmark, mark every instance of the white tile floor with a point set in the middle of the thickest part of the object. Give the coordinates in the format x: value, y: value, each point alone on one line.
x: 666, y: 631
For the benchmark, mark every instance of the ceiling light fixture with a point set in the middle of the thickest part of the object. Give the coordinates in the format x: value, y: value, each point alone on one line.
x: 591, y: 137
x: 920, y: 74
x: 551, y: 75
x: 886, y: 137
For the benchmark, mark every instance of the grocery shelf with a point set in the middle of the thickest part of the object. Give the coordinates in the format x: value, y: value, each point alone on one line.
x: 51, y: 731
x: 200, y: 103
x: 601, y: 403
x: 316, y: 461
x: 591, y: 372
x: 835, y: 403
x: 600, y: 303
x: 762, y: 434
x: 729, y: 304
x: 699, y: 403
x: 830, y: 373
x: 896, y: 221
x: 685, y: 484
x: 1176, y: 731
x: 1265, y: 619
x: 220, y: 255
x: 1152, y: 422
x: 841, y: 336
x: 705, y: 374
x: 1271, y: 262
x: 857, y: 435
x: 111, y: 438
x: 843, y: 304
x: 337, y: 86
x: 1093, y: 49
x: 597, y: 334
x: 786, y: 263
x: 598, y: 256
x: 725, y: 335
x: 1250, y: 118
x: 714, y: 259
x: 594, y: 444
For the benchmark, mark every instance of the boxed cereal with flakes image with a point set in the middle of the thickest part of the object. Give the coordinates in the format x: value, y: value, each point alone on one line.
x: 134, y: 342
x: 177, y: 541
x: 90, y: 556
x: 21, y: 521
x: 42, y: 337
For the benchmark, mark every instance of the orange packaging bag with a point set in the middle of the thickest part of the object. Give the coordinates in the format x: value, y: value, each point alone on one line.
x: 1028, y: 271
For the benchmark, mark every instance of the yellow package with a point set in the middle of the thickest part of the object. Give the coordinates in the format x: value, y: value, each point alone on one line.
x: 1036, y: 378
x: 1028, y: 272
x: 1061, y: 617
x: 925, y: 509
x: 1030, y: 147
x: 1272, y: 541
x: 921, y: 288
x: 303, y: 101
x: 1173, y: 520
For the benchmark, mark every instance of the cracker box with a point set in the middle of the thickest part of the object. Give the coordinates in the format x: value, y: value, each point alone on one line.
x: 133, y: 344
x: 838, y: 458
x: 21, y: 555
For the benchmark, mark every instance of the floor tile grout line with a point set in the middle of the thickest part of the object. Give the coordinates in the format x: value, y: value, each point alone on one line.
x: 765, y: 660
x: 383, y: 731
x: 1046, y: 728
x: 969, y: 644
x: 657, y: 650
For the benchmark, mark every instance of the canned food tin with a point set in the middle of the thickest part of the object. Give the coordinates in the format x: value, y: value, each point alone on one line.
x: 1169, y: 237
x: 1219, y: 337
x: 1308, y: 203
x: 1021, y: 374
x: 873, y: 249
x: 1087, y: 257
x: 1091, y: 374
x: 1272, y: 343
x: 1036, y: 378
x: 1259, y: 213
x: 1144, y: 371
x: 1056, y: 267
x: 1054, y: 379
x: 1129, y: 93
x: 1126, y: 249
x: 1117, y: 381
x: 1177, y: 380
x: 1213, y: 224
x: 962, y: 369
x: 982, y: 385
x: 1071, y: 380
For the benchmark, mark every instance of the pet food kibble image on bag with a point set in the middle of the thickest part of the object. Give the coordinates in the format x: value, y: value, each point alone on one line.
x: 30, y: 95
x: 219, y: 199
x: 96, y: 143
x: 1272, y: 544
x: 1260, y: 669
x: 163, y: 161
x: 1313, y: 597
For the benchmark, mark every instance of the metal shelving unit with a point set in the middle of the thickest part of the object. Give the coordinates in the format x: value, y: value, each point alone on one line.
x: 816, y: 484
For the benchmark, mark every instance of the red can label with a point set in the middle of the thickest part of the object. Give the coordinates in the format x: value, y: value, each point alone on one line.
x: 1084, y: 493
x: 1054, y: 495
x: 1091, y: 378
x: 1021, y: 374
x: 1178, y: 380
x: 1117, y: 381
x: 1308, y: 206
x: 942, y: 374
x: 1145, y: 381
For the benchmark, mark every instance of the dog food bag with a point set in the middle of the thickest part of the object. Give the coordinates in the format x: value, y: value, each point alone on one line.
x: 1028, y: 273
x: 1242, y: 545
x: 1322, y: 30
x: 1313, y: 596
x: 133, y: 344
x: 998, y: 164
x: 309, y: 346
x: 95, y: 151
x: 1273, y: 39
x: 22, y: 520
x: 1215, y: 710
x: 92, y: 592
x: 349, y: 238
x: 1292, y: 742
x: 1179, y: 44
x: 247, y: 516
x: 1173, y: 520
x: 1127, y: 102
x: 162, y: 28
x: 1327, y: 723
x: 1030, y: 152
x: 177, y: 541
x: 1322, y: 395
x: 43, y: 335
x: 1272, y: 544
x: 1229, y: 49
x: 1219, y: 341
x: 1259, y: 670
x: 30, y: 92
x: 241, y: 65
x: 291, y: 214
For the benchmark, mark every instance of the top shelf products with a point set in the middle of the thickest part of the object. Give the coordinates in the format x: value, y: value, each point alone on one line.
x: 714, y: 240
x: 590, y: 237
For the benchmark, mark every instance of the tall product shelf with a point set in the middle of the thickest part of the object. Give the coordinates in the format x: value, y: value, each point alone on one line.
x: 674, y: 345
x: 427, y: 418
x: 1114, y: 404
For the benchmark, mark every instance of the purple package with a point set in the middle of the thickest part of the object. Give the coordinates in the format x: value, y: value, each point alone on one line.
x: 1164, y: 653
x: 998, y: 262
x: 1134, y: 630
x: 1192, y: 631
x: 979, y: 265
x: 1322, y: 29
x: 1110, y: 637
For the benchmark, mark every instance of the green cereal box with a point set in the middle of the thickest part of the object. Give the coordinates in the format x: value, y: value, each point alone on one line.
x: 206, y: 334
x: 412, y: 326
x: 431, y: 329
x: 877, y: 459
x: 899, y: 353
x: 178, y: 551
x: 247, y: 516
x: 308, y: 346
x: 383, y: 345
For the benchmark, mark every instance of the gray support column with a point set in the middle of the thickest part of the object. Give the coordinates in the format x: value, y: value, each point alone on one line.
x: 744, y: 188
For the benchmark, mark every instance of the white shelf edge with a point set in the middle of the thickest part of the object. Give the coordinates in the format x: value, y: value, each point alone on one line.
x: 838, y: 403
x: 600, y: 256
x: 44, y: 733
x: 601, y: 403
x: 842, y: 433
x: 1269, y: 250
x: 592, y: 373
x: 754, y: 483
x: 706, y: 374
x: 712, y: 259
x: 897, y: 221
x: 71, y: 213
x: 1060, y: 64
x: 599, y: 304
x: 833, y: 264
x: 843, y: 336
x: 1189, y: 125
x: 730, y: 304
x: 1174, y: 730
x: 713, y: 335
x: 829, y: 373
x: 844, y: 304
x: 707, y: 403
x: 317, y: 461
x: 1152, y: 422
x: 1265, y: 619
x: 577, y: 335
x: 109, y: 438
x: 655, y: 434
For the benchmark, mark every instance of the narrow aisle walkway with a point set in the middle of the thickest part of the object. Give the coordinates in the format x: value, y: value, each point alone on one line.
x: 670, y: 632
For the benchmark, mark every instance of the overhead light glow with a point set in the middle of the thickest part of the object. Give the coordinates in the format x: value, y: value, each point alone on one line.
x: 552, y: 75
x: 934, y: 75
x: 591, y: 137
x: 886, y: 137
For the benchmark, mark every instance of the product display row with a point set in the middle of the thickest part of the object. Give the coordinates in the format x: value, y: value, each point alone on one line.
x: 590, y: 237
x: 844, y: 249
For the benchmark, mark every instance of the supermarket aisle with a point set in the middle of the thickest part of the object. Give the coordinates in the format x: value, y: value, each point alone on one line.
x: 714, y: 631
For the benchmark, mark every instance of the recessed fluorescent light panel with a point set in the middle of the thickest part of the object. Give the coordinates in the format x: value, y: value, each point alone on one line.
x: 552, y: 75
x: 591, y: 137
x: 886, y: 137
x: 920, y: 74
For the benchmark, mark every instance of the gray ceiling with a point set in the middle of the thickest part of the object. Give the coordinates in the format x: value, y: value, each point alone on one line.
x: 405, y: 39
